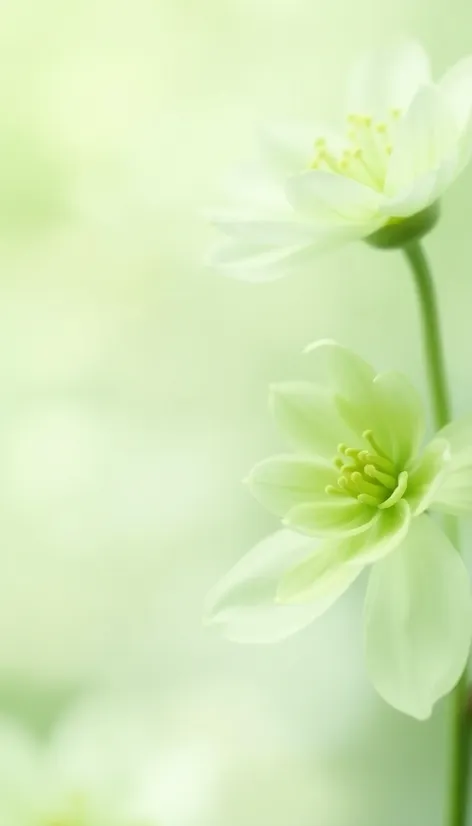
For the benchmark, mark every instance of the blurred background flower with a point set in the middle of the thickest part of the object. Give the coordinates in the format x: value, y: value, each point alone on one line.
x: 133, y: 399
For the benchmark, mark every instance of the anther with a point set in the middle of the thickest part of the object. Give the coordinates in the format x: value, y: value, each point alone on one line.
x: 353, y: 452
x: 363, y: 486
x: 368, y: 500
x: 398, y: 492
x: 331, y: 489
x: 385, y: 479
x: 369, y: 437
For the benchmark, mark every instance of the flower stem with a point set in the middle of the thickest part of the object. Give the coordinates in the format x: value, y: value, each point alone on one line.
x: 456, y: 812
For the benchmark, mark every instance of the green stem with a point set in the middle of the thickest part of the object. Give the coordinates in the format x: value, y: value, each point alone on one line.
x: 456, y: 813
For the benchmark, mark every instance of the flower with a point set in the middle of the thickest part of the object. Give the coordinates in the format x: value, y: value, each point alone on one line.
x: 357, y: 494
x: 404, y: 141
x: 105, y: 763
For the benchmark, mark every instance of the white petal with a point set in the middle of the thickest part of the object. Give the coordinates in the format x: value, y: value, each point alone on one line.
x: 387, y: 530
x: 388, y: 78
x: 333, y: 515
x: 252, y: 227
x: 427, y: 135
x: 427, y: 474
x: 334, y: 200
x: 282, y: 482
x: 400, y: 416
x: 255, y: 262
x: 347, y: 373
x: 319, y: 580
x: 288, y: 148
x: 243, y: 604
x: 414, y: 198
x: 306, y: 414
x: 454, y: 494
x: 418, y: 620
x: 457, y: 87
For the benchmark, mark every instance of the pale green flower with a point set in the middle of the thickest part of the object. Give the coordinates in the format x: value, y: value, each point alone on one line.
x: 403, y: 142
x: 358, y: 494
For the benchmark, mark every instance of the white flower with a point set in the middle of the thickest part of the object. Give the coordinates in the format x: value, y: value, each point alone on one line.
x: 404, y: 141
x: 357, y: 494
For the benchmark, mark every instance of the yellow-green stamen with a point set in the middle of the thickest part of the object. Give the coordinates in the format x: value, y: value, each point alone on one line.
x: 369, y: 476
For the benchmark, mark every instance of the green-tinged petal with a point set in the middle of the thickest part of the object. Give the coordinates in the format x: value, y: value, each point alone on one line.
x: 427, y: 474
x: 306, y: 414
x: 458, y: 434
x: 351, y: 380
x: 414, y: 198
x: 255, y: 262
x: 243, y: 604
x: 318, y: 580
x: 288, y: 147
x: 457, y: 87
x: 454, y: 494
x: 386, y: 404
x: 399, y: 406
x: 418, y: 620
x: 262, y: 228
x: 349, y: 375
x: 334, y: 515
x: 387, y: 531
x: 387, y: 78
x: 426, y: 136
x: 260, y: 262
x: 335, y: 200
x: 281, y: 482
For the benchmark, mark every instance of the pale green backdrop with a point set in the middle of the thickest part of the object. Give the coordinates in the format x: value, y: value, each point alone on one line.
x: 133, y: 387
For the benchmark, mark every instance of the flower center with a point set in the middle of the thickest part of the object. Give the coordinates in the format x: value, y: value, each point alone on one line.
x: 368, y: 475
x: 366, y: 153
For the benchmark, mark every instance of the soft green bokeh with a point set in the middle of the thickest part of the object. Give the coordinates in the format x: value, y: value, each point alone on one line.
x: 134, y: 388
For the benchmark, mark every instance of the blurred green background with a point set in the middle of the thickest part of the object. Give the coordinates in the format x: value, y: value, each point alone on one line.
x: 133, y: 394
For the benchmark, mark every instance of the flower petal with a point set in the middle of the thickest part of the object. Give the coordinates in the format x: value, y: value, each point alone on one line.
x: 243, y: 604
x: 386, y: 404
x: 288, y: 147
x: 282, y: 482
x: 454, y: 494
x: 318, y: 580
x: 306, y: 414
x: 416, y: 197
x: 387, y: 530
x: 255, y: 262
x: 335, y: 200
x: 388, y: 78
x: 418, y: 620
x: 264, y: 229
x: 426, y: 136
x: 262, y: 262
x: 331, y: 516
x: 456, y: 85
x: 399, y: 407
x: 347, y: 373
x: 427, y: 475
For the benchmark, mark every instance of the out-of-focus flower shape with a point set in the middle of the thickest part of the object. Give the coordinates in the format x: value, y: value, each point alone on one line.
x: 103, y: 765
x: 209, y: 755
x: 359, y: 489
x: 405, y: 141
